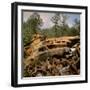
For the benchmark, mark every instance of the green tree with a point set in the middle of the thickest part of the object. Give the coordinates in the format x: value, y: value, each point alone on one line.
x: 30, y: 27
x: 64, y: 18
x: 60, y: 23
x: 55, y: 19
x: 35, y: 22
x: 77, y: 26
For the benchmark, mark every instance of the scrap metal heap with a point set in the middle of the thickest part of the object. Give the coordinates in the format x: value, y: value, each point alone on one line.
x: 52, y: 56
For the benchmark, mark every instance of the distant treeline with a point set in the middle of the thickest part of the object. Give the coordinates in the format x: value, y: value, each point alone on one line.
x: 60, y: 28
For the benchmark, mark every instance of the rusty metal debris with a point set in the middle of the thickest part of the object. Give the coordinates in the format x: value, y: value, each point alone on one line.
x: 52, y: 57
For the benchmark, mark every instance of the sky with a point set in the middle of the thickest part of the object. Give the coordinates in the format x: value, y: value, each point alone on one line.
x: 46, y: 17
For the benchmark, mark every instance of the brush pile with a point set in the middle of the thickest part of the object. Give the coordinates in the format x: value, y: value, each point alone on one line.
x: 52, y: 57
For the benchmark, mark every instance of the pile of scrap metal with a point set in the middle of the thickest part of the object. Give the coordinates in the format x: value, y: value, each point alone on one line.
x: 56, y: 57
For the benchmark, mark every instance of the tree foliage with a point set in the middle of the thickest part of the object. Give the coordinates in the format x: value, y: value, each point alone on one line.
x: 60, y: 27
x: 55, y: 19
x: 60, y: 22
x: 31, y: 26
x: 35, y: 22
x: 77, y: 25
